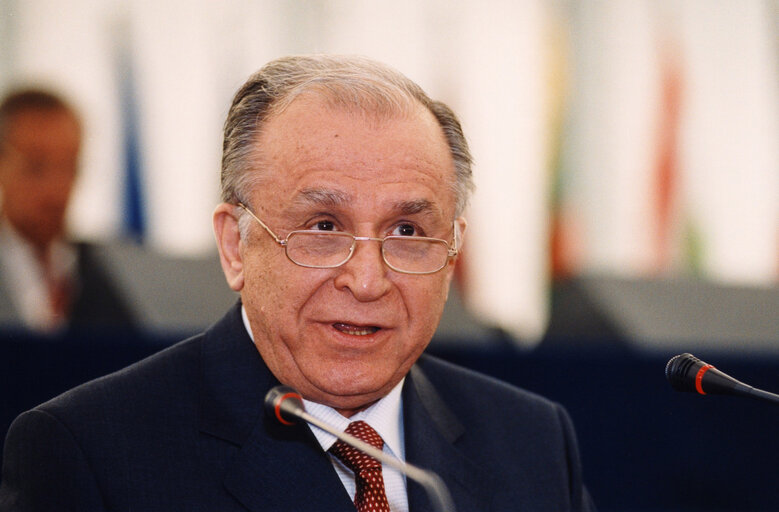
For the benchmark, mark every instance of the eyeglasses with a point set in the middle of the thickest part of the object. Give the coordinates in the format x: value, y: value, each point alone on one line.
x: 330, y: 249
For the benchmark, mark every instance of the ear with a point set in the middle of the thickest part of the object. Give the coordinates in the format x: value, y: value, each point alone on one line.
x: 460, y: 225
x: 228, y: 240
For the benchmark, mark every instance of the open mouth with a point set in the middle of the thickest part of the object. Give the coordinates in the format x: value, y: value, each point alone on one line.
x: 355, y: 330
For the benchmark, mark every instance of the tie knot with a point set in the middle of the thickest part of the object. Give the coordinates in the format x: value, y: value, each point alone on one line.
x: 354, y: 459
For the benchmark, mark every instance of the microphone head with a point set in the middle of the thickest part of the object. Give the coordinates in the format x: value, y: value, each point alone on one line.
x: 284, y: 404
x: 681, y: 370
x: 686, y: 372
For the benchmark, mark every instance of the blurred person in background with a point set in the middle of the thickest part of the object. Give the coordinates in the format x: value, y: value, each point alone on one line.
x: 48, y: 283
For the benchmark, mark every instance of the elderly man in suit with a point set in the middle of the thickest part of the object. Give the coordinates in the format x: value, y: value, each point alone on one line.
x: 344, y: 186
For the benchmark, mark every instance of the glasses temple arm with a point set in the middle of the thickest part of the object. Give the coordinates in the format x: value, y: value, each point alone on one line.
x: 261, y: 223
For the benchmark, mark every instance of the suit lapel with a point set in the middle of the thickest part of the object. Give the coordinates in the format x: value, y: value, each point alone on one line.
x: 274, y: 467
x: 431, y: 432
x: 233, y: 380
x: 284, y: 468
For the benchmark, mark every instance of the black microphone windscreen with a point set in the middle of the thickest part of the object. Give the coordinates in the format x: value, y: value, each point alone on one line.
x: 686, y: 372
x: 681, y: 371
x: 284, y: 404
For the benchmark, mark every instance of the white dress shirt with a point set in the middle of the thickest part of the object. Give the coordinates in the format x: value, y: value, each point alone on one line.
x: 25, y: 277
x: 386, y: 418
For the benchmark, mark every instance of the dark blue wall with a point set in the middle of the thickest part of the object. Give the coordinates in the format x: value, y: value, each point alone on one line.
x: 644, y: 447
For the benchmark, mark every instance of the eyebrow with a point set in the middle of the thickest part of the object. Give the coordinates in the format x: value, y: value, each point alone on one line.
x: 416, y: 206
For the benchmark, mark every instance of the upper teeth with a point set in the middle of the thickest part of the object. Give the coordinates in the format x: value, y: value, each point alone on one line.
x: 354, y: 330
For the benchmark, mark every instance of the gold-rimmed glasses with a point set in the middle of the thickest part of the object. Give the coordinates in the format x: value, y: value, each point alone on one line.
x: 330, y: 249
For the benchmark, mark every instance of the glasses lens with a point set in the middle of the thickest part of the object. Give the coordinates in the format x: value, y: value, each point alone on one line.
x: 312, y: 249
x: 415, y: 255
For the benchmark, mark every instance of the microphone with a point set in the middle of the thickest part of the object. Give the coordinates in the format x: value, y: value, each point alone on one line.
x: 286, y: 405
x: 686, y: 372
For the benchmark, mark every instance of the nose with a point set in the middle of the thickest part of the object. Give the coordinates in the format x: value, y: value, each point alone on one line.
x: 55, y: 183
x: 365, y: 275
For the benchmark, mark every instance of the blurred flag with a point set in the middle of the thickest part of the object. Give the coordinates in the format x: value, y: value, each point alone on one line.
x: 134, y: 216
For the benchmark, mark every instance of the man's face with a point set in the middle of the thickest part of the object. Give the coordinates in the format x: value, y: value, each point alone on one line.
x: 345, y: 336
x: 37, y: 169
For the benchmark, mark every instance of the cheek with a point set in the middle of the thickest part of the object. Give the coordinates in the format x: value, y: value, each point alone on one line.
x: 264, y: 284
x: 25, y: 203
x: 16, y: 188
x: 425, y: 303
x: 276, y: 291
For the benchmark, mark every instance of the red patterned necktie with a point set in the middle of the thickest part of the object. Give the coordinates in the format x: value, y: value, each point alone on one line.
x: 370, y: 495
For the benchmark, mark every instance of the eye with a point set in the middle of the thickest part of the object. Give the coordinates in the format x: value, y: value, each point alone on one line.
x: 323, y: 225
x: 405, y: 230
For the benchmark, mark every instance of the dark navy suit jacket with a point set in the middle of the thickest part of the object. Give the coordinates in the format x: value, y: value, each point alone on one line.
x: 185, y: 430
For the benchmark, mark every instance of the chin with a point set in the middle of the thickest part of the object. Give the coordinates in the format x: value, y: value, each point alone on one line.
x: 354, y: 392
x: 353, y: 405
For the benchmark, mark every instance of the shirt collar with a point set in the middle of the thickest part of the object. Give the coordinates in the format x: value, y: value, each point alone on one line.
x: 385, y: 416
x: 25, y: 277
x: 62, y: 257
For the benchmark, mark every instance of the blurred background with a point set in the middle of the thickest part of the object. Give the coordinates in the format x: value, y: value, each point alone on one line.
x: 627, y: 204
x: 630, y: 139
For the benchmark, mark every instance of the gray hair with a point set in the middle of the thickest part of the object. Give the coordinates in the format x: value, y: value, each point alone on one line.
x: 344, y: 81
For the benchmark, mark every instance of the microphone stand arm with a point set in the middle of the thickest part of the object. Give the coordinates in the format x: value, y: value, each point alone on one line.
x: 762, y: 395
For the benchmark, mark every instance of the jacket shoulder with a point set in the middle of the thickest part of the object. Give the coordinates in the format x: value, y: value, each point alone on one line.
x: 489, y: 420
x: 471, y: 389
x: 155, y: 379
